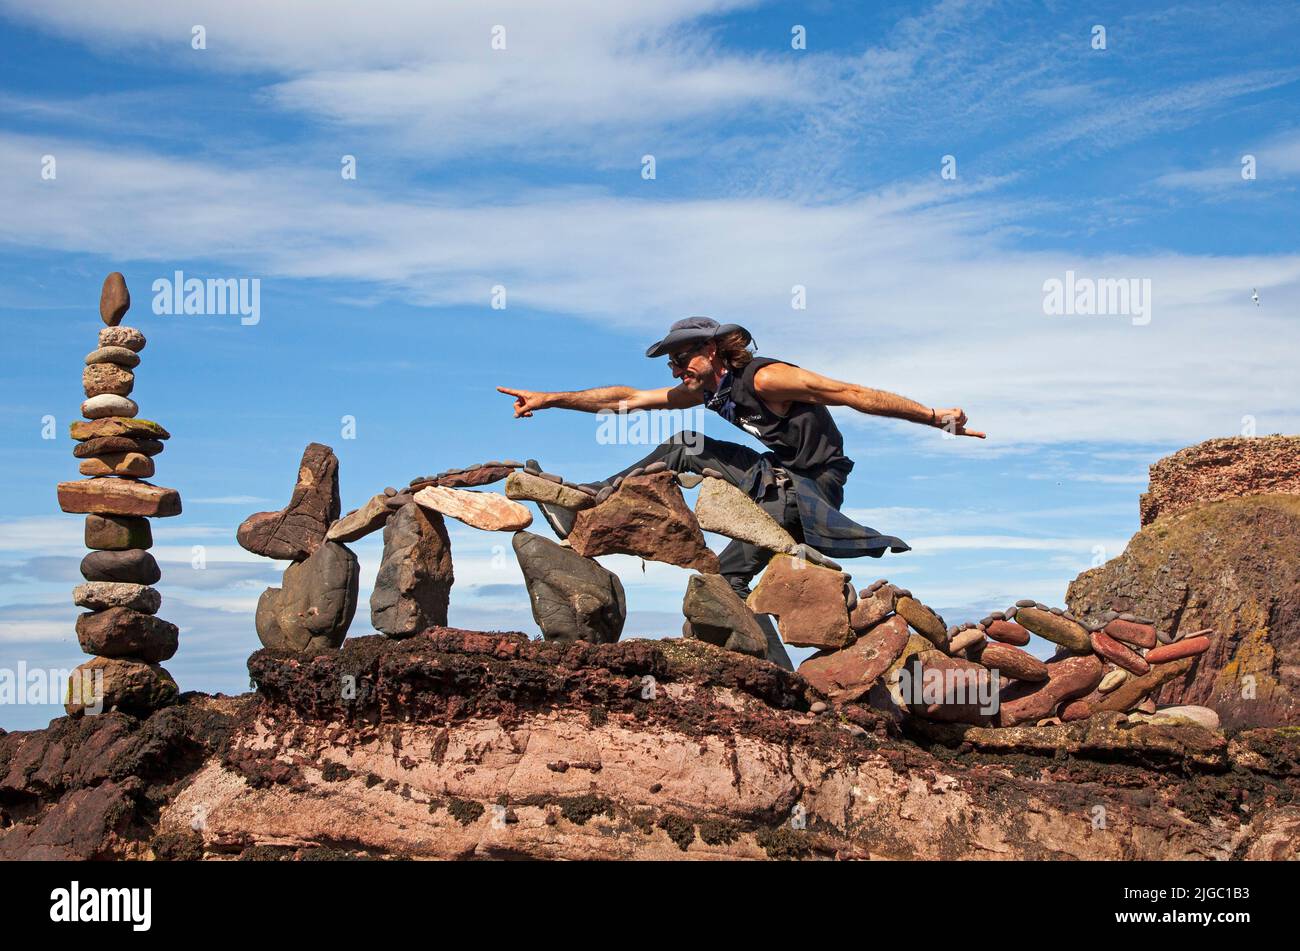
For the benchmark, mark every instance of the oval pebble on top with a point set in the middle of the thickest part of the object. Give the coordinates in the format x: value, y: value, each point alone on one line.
x: 512, y: 463
x: 1059, y: 612
x: 604, y: 493
x: 998, y: 615
x: 987, y: 620
x: 636, y: 472
x: 1010, y: 613
x: 389, y: 491
x: 903, y: 593
x: 1026, y: 603
x: 712, y: 473
x: 119, y: 356
x: 654, y: 467
x: 533, y: 466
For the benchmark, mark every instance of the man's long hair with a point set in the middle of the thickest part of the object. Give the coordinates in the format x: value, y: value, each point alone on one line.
x: 734, y: 349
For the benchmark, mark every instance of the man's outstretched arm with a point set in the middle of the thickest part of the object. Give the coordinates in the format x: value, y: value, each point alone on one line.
x: 780, y: 382
x: 606, y: 398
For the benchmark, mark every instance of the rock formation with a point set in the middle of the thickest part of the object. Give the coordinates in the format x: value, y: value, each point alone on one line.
x: 572, y: 597
x: 116, y: 451
x: 1216, y: 469
x: 459, y: 744
x: 413, y: 587
x: 646, y: 516
x: 298, y: 529
x: 715, y: 613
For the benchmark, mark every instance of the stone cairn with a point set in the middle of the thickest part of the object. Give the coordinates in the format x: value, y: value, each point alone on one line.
x: 865, y: 639
x: 116, y: 449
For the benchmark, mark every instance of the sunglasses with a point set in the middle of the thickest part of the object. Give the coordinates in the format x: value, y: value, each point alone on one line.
x: 682, y: 360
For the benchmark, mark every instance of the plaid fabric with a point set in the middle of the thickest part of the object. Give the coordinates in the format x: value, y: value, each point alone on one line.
x: 825, y: 527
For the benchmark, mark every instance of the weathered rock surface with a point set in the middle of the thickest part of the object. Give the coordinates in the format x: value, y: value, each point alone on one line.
x: 1011, y: 662
x: 922, y: 620
x: 100, y: 379
x: 489, y: 511
x: 315, y: 604
x: 807, y: 600
x: 1008, y: 632
x: 133, y: 566
x: 121, y: 356
x: 949, y: 689
x: 847, y: 674
x: 298, y: 529
x: 715, y: 613
x: 100, y: 595
x: 570, y: 760
x: 1222, y: 469
x: 872, y: 607
x: 122, y: 632
x: 572, y: 597
x: 1232, y: 566
x: 127, y: 337
x: 724, y: 509
x: 118, y: 497
x: 1132, y: 690
x: 645, y: 516
x: 413, y: 588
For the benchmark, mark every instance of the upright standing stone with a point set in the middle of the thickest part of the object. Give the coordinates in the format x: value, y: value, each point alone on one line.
x: 572, y: 597
x: 114, y: 299
x: 413, y: 587
x: 715, y: 613
x: 313, y: 608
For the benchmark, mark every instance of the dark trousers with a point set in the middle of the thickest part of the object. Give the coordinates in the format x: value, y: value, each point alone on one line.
x: 740, y: 561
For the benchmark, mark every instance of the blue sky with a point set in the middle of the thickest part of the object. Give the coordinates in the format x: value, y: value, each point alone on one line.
x: 522, y: 168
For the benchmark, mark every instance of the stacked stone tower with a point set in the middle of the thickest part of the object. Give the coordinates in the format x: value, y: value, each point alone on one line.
x: 116, y: 449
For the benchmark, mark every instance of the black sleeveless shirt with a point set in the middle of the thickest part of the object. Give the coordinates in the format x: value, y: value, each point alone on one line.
x: 806, y: 437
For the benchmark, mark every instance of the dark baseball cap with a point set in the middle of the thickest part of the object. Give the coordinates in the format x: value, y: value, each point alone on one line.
x: 693, y: 330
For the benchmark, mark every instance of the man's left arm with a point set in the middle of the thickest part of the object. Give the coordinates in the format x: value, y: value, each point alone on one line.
x: 781, y: 383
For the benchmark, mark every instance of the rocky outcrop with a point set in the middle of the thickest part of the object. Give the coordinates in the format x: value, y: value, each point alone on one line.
x: 457, y: 744
x: 1222, y: 469
x: 1232, y: 566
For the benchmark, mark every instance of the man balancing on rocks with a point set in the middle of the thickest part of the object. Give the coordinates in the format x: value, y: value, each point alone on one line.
x: 799, y: 481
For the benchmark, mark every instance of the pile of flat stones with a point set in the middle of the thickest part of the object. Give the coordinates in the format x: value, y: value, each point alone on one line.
x: 1116, y: 662
x: 116, y: 449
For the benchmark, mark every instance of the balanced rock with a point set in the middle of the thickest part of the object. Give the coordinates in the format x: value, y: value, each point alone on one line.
x: 1055, y: 628
x: 126, y: 337
x: 108, y: 445
x: 1132, y: 691
x: 845, y: 675
x: 726, y: 510
x: 99, y: 379
x: 1119, y: 655
x: 119, y: 356
x: 489, y: 511
x: 715, y: 613
x: 971, y: 640
x: 1194, y: 713
x: 479, y: 475
x: 1067, y: 678
x: 874, y: 605
x: 109, y: 406
x: 533, y: 488
x: 133, y: 465
x: 922, y: 620
x: 1008, y: 632
x: 572, y: 597
x: 117, y: 532
x: 118, y: 497
x: 104, y: 684
x: 645, y: 516
x: 298, y: 529
x: 1187, y: 647
x: 807, y: 600
x: 1012, y: 662
x: 315, y: 604
x: 1130, y: 632
x: 102, y: 595
x: 123, y: 632
x: 132, y: 567
x: 114, y: 299
x: 118, y: 426
x: 413, y: 587
x: 949, y: 689
x: 360, y: 522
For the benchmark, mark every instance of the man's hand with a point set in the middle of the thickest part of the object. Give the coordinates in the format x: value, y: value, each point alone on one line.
x: 954, y: 421
x: 526, y: 401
